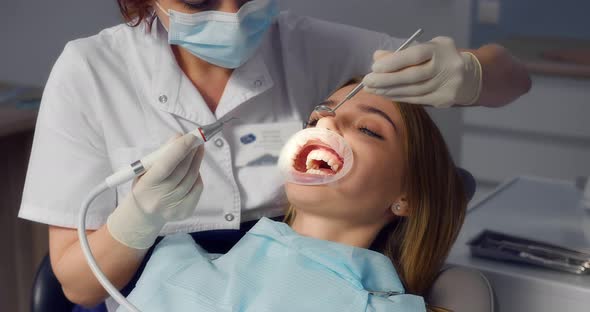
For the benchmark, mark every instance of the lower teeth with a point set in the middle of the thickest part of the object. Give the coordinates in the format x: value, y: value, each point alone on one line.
x: 315, y: 171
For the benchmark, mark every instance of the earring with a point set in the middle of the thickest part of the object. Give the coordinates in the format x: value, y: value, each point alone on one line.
x: 396, y: 207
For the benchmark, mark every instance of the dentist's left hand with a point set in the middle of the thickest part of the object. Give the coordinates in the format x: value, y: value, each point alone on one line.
x: 430, y: 73
x: 168, y: 191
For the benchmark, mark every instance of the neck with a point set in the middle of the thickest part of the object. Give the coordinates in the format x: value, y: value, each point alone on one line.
x: 335, y: 230
x: 209, y: 79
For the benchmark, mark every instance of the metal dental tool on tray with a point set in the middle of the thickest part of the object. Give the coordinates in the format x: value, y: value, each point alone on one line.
x: 498, y: 246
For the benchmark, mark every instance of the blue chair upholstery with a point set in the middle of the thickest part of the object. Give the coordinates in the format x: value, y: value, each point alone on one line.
x: 46, y: 294
x: 468, y: 183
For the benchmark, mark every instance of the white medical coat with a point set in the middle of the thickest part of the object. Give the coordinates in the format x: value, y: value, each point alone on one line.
x: 114, y: 97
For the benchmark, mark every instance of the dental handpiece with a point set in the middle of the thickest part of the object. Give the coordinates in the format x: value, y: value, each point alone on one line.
x: 138, y: 167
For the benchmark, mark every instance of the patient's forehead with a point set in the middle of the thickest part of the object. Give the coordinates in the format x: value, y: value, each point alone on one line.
x: 364, y: 98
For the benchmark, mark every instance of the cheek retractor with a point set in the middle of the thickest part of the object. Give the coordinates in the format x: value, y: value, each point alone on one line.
x: 315, y: 156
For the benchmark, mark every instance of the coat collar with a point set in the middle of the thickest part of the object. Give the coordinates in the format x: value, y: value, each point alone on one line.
x: 173, y: 92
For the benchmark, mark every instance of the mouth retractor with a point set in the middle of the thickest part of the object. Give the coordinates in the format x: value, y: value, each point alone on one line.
x: 315, y: 156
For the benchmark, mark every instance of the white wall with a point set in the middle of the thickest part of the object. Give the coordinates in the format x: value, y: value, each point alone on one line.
x: 544, y: 133
x: 34, y: 32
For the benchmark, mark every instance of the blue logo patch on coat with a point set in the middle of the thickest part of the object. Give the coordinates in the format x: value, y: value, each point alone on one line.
x: 248, y: 138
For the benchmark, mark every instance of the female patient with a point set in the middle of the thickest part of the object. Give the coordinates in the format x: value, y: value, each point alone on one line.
x: 372, y: 241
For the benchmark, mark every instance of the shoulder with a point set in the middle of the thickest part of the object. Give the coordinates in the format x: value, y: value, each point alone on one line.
x: 320, y: 45
x: 79, y: 55
x: 294, y: 26
x: 94, y: 61
x: 291, y: 21
x: 108, y: 45
x: 306, y: 27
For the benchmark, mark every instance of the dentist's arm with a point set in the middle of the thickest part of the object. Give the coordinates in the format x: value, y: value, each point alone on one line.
x: 504, y: 78
x: 169, y: 191
x: 436, y: 73
x: 118, y: 262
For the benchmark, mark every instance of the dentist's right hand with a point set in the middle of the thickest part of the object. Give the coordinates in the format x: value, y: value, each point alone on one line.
x: 168, y: 191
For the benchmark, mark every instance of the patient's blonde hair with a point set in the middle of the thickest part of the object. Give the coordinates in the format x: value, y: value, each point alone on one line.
x: 419, y: 243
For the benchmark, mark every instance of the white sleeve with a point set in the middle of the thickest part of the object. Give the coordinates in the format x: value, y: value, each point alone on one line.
x: 68, y: 156
x: 328, y: 54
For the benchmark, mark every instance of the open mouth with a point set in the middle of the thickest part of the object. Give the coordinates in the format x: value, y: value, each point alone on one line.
x: 316, y: 157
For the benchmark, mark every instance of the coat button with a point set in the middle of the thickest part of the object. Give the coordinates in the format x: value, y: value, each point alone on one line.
x: 229, y: 217
x: 163, y: 98
x: 219, y: 142
x: 258, y: 83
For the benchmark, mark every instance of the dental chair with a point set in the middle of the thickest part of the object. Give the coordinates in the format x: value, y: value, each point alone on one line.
x: 457, y: 289
x: 461, y: 289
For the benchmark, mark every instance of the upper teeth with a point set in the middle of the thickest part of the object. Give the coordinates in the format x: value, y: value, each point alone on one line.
x: 323, y: 156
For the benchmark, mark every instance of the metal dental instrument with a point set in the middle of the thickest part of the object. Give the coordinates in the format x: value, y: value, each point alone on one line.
x: 504, y: 247
x: 544, y: 256
x: 137, y: 168
x: 548, y: 253
x: 203, y: 134
x: 324, y: 110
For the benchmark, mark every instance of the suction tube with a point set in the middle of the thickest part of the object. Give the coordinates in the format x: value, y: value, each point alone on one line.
x: 137, y: 168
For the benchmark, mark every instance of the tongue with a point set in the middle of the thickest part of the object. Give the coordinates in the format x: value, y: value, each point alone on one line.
x: 323, y: 167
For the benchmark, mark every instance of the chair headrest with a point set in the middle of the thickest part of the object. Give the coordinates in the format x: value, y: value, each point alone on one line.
x: 468, y: 182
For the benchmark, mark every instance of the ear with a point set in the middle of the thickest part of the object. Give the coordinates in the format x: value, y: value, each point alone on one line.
x: 400, y: 207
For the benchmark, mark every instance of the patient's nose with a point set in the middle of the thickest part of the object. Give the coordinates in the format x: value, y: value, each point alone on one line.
x: 328, y: 123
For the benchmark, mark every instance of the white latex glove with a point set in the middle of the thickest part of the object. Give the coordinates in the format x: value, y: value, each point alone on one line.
x: 430, y: 73
x: 168, y: 191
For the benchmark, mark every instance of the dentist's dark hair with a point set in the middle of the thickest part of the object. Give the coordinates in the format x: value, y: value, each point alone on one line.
x: 135, y: 12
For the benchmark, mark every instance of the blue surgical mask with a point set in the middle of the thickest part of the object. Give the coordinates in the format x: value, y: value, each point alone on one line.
x: 220, y: 38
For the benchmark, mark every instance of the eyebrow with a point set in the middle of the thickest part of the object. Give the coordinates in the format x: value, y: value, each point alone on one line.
x: 365, y: 108
x: 373, y: 110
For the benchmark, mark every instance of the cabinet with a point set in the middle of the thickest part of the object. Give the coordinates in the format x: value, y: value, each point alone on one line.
x: 544, y: 133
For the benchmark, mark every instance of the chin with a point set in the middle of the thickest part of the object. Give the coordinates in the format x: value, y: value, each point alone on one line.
x: 304, y: 195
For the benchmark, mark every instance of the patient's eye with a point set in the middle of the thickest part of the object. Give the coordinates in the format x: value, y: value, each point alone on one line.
x: 370, y: 132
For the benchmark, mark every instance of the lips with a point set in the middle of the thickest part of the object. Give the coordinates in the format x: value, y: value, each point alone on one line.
x: 317, y: 157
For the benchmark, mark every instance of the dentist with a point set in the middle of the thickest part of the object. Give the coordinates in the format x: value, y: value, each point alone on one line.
x: 177, y: 64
